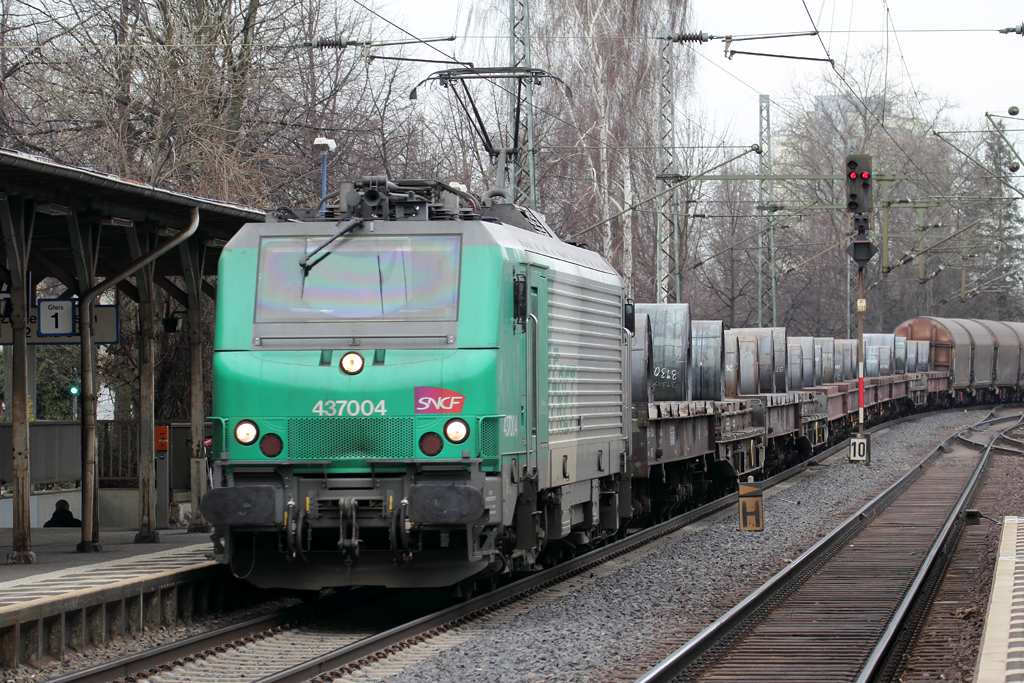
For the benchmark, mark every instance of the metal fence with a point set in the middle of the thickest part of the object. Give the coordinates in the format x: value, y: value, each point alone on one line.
x: 56, y: 452
x: 117, y: 453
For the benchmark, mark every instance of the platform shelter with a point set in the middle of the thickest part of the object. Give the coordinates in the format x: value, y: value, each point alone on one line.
x: 92, y: 231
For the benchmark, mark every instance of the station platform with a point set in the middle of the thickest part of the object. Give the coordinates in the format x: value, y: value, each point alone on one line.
x: 55, y: 550
x: 58, y: 565
x: 1001, y: 659
x: 71, y: 600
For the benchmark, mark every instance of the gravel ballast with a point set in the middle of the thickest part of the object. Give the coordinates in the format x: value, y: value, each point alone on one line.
x: 632, y: 611
x: 616, y: 626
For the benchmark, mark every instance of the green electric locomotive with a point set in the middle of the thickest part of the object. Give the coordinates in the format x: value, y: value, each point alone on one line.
x: 417, y: 389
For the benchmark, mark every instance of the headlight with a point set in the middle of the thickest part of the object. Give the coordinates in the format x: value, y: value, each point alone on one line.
x: 246, y: 432
x: 351, y: 363
x: 456, y: 430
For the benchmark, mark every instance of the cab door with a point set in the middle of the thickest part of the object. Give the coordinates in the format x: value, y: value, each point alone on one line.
x: 537, y: 375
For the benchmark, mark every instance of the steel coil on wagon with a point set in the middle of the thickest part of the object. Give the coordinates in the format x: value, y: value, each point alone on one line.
x: 731, y: 363
x: 878, y: 339
x: 765, y: 360
x: 706, y: 349
x: 899, y: 361
x: 742, y: 377
x: 817, y: 363
x: 828, y: 358
x: 642, y: 370
x: 796, y: 364
x: 983, y: 352
x: 1007, y: 353
x: 806, y: 359
x: 780, y: 359
x: 949, y: 347
x: 849, y: 358
x: 750, y: 348
x: 924, y: 356
x: 911, y: 363
x: 884, y: 361
x: 849, y: 352
x: 871, y: 361
x: 670, y: 334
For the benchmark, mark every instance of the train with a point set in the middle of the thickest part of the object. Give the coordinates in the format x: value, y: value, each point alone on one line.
x: 414, y: 386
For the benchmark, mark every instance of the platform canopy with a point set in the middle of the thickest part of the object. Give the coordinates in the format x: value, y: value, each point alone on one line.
x: 109, y: 205
x: 92, y: 230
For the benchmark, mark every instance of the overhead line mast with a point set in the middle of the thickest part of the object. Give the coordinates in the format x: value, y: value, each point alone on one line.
x: 522, y: 185
x: 765, y: 225
x: 667, y: 225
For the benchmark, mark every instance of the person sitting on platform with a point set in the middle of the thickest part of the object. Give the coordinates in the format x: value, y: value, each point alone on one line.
x: 62, y: 516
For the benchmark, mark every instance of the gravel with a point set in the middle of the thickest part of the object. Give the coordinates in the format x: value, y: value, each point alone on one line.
x: 638, y: 609
x: 616, y: 626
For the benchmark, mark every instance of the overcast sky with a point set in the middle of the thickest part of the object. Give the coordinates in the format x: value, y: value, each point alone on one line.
x: 930, y: 44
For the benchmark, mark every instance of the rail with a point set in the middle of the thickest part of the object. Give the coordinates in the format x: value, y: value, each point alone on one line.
x: 711, y: 637
x: 378, y: 646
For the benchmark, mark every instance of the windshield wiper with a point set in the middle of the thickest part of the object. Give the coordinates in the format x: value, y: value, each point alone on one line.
x: 304, y: 261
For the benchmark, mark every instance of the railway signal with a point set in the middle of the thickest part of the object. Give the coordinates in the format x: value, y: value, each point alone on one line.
x: 861, y: 250
x: 858, y: 183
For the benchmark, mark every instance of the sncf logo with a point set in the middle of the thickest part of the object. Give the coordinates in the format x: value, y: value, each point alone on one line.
x: 434, y: 400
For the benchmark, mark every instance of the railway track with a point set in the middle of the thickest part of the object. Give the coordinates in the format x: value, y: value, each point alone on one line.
x: 836, y: 613
x: 945, y: 643
x: 300, y: 644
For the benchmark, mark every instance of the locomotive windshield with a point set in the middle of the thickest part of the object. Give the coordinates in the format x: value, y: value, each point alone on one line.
x: 410, y: 278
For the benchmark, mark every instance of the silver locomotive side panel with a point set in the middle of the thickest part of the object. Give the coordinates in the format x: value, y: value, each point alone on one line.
x: 588, y: 375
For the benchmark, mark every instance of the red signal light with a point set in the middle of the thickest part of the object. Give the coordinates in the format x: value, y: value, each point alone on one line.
x: 865, y: 175
x: 853, y: 174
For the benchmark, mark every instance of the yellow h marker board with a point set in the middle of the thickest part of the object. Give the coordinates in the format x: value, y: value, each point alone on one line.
x: 751, y: 510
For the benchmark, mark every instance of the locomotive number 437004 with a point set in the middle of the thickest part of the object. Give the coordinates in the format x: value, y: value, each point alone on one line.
x: 349, y: 408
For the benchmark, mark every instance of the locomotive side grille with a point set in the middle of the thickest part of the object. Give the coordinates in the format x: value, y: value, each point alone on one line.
x: 586, y: 367
x: 332, y: 438
x: 489, y: 437
x: 217, y: 445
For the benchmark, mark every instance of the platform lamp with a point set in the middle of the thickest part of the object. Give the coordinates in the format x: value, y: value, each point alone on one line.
x: 325, y: 146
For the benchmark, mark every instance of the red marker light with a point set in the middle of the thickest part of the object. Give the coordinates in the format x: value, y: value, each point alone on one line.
x: 865, y: 175
x: 853, y: 174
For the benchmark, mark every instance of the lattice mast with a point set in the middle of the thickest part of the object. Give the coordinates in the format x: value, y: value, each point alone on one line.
x: 765, y: 226
x: 667, y: 222
x: 522, y: 167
